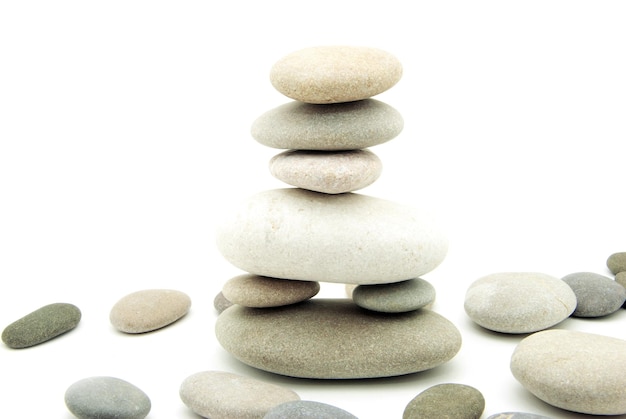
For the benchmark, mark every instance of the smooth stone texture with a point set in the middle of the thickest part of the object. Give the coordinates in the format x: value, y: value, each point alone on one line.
x: 343, y: 126
x: 517, y: 415
x: 577, y: 371
x: 106, y: 398
x: 305, y: 409
x: 398, y: 297
x: 620, y: 278
x: 251, y: 290
x: 335, y: 339
x: 221, y: 303
x: 224, y: 395
x: 597, y: 295
x: 327, y: 172
x: 347, y: 238
x: 452, y: 401
x: 148, y: 310
x: 617, y: 262
x: 41, y: 325
x: 519, y: 302
x: 333, y: 74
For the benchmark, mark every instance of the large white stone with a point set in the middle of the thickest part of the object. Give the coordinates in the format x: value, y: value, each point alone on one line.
x: 349, y: 238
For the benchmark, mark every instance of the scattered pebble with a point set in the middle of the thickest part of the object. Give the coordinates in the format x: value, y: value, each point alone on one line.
x: 41, y: 325
x: 260, y: 291
x: 398, y: 297
x: 451, y: 401
x: 597, y: 295
x: 148, y: 310
x: 221, y: 303
x: 617, y: 263
x: 305, y: 409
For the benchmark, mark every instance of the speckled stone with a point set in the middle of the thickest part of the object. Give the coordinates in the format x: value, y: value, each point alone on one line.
x: 452, y: 401
x: 106, y: 398
x: 517, y: 415
x: 345, y: 238
x: 335, y: 339
x: 332, y: 74
x: 398, y: 297
x: 224, y: 395
x: 148, y: 310
x: 343, y: 126
x: 327, y: 171
x: 251, y: 290
x: 617, y: 262
x: 620, y: 278
x: 519, y: 302
x: 577, y: 371
x: 41, y: 325
x: 305, y: 409
x: 597, y: 295
x: 221, y: 303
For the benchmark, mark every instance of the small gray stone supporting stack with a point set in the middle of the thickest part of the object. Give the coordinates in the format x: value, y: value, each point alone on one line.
x: 289, y: 240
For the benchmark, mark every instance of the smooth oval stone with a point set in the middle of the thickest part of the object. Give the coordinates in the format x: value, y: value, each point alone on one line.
x: 221, y: 303
x: 620, y: 278
x: 148, y: 310
x: 577, y: 371
x: 597, y: 295
x: 260, y: 291
x: 453, y: 401
x: 335, y: 339
x: 617, y: 262
x: 343, y: 126
x: 41, y: 325
x: 517, y: 415
x: 327, y: 172
x: 519, y: 302
x: 305, y: 409
x: 106, y: 397
x: 333, y: 74
x: 223, y: 395
x: 345, y: 238
x: 398, y: 297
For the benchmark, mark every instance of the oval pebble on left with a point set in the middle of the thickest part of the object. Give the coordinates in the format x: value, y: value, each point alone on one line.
x: 41, y: 325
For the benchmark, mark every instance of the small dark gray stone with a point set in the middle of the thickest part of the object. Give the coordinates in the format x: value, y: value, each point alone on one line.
x: 106, y: 398
x: 517, y: 415
x: 41, y: 325
x: 451, y: 401
x: 596, y: 295
x: 398, y: 297
x: 221, y: 303
x: 304, y: 409
x: 617, y: 262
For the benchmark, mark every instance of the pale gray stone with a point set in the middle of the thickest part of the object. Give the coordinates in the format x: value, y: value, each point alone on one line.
x: 147, y: 310
x: 577, y: 371
x: 327, y: 171
x: 342, y: 126
x: 617, y: 262
x: 450, y: 400
x: 620, y: 278
x: 331, y: 74
x: 224, y: 395
x: 597, y: 295
x: 106, y: 398
x: 335, y: 339
x: 260, y: 291
x: 305, y: 409
x: 221, y: 303
x: 398, y: 297
x: 519, y: 302
x: 517, y: 415
x: 345, y: 238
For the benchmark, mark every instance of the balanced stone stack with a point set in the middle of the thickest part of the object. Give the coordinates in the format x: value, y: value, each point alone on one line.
x: 289, y: 240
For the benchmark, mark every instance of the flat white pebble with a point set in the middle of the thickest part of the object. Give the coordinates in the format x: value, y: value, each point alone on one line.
x: 147, y: 310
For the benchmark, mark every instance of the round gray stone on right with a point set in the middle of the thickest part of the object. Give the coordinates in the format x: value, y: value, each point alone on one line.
x: 517, y: 415
x: 597, y: 295
x: 398, y: 297
x: 450, y: 400
x: 617, y: 262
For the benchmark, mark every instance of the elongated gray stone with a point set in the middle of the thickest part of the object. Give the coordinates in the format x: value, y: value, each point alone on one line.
x: 342, y: 126
x: 41, y: 325
x: 345, y: 238
x: 306, y: 409
x: 597, y: 295
x: 260, y: 291
x: 148, y: 310
x: 335, y: 339
x: 449, y: 400
x: 398, y: 297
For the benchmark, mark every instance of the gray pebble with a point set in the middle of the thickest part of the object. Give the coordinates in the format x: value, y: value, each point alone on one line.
x: 451, y: 401
x: 617, y: 262
x: 597, y: 295
x: 261, y: 291
x: 106, y: 398
x: 517, y: 415
x: 620, y: 278
x: 398, y: 297
x: 221, y: 303
x: 304, y: 409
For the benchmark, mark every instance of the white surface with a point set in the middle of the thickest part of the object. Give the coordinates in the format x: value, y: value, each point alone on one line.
x: 124, y: 129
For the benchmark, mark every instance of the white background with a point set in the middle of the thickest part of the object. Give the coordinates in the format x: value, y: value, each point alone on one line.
x: 124, y: 131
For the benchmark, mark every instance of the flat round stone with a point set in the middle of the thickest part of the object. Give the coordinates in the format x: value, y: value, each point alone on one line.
x: 335, y: 339
x: 41, y: 325
x: 221, y: 303
x: 398, y: 297
x: 617, y: 262
x: 260, y: 291
x: 333, y: 74
x: 519, y: 302
x: 345, y: 238
x: 342, y: 126
x: 106, y: 397
x: 597, y: 295
x: 305, y: 409
x: 516, y: 415
x: 221, y: 395
x: 327, y: 171
x: 448, y: 400
x: 577, y: 371
x: 148, y: 310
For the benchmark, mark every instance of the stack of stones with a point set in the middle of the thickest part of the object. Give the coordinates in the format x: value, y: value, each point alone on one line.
x: 289, y: 240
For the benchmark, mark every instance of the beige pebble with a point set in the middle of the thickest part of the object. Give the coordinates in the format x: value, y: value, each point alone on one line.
x: 147, y: 310
x: 260, y: 291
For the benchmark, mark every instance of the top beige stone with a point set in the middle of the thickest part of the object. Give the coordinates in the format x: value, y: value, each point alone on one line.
x: 335, y: 74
